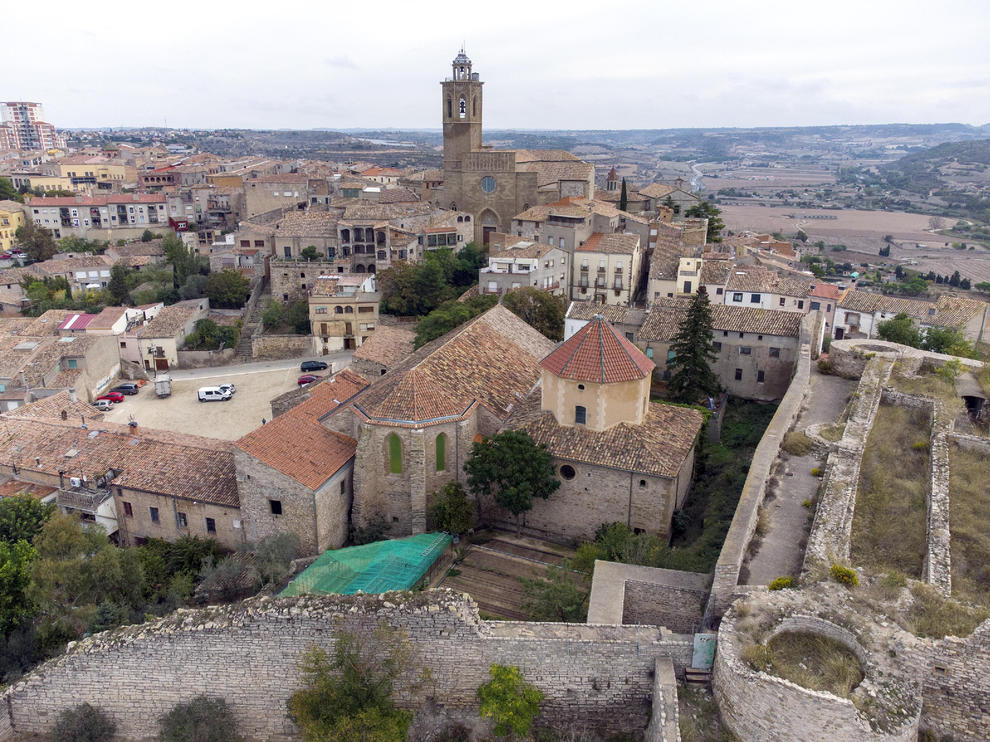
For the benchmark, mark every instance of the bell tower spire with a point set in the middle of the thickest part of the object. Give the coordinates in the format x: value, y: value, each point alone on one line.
x: 461, y: 102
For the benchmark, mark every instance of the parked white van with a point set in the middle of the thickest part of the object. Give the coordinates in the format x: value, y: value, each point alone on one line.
x: 213, y: 394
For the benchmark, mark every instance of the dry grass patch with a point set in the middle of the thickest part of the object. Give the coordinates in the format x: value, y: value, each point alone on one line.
x: 832, y: 433
x: 935, y: 616
x: 698, y: 717
x: 969, y: 524
x: 889, y: 522
x: 810, y: 660
x: 796, y: 443
x: 926, y: 383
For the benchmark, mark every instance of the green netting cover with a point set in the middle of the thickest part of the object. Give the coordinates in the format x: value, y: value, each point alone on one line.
x: 396, y: 564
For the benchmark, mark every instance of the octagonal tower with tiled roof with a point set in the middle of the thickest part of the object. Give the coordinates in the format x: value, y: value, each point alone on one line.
x: 597, y: 379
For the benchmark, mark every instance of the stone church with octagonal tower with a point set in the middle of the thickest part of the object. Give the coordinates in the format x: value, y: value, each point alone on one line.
x: 495, y: 185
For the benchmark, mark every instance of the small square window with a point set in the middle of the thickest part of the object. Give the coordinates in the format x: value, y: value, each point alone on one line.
x: 276, y: 506
x: 759, y: 377
x: 800, y: 304
x: 211, y: 525
x: 180, y: 520
x: 775, y: 352
x: 738, y: 374
x: 718, y: 292
x: 782, y: 300
x: 737, y: 297
x: 754, y: 299
x: 717, y: 346
x: 745, y: 350
x: 128, y: 510
x: 154, y: 514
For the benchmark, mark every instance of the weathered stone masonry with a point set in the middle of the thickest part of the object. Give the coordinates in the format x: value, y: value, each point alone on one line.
x: 596, y: 676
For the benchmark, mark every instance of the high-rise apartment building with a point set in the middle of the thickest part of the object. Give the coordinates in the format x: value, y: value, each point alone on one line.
x: 23, y: 126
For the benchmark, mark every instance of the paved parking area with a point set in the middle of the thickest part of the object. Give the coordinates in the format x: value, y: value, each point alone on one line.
x: 184, y: 413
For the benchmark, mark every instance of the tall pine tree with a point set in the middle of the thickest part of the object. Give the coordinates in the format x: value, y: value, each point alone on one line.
x: 691, y: 368
x: 623, y: 197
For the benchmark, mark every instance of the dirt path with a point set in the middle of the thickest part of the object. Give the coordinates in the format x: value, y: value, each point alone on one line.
x: 782, y: 549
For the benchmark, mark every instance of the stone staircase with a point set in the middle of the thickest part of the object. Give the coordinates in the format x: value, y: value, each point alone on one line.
x: 252, y: 321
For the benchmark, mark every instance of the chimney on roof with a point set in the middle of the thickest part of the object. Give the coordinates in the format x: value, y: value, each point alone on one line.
x: 72, y: 394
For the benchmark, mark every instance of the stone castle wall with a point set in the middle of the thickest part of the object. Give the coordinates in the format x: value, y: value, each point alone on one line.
x: 747, y: 511
x: 596, y: 676
x: 281, y: 346
x: 957, y: 692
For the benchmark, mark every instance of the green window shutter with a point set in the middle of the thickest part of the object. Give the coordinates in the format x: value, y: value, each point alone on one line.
x: 394, y: 454
x: 441, y: 452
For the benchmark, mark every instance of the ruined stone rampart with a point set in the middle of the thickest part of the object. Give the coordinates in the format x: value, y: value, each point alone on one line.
x: 831, y: 530
x: 754, y: 489
x: 957, y: 691
x: 593, y: 676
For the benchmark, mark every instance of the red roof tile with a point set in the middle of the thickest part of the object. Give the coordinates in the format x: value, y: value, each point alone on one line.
x: 598, y: 353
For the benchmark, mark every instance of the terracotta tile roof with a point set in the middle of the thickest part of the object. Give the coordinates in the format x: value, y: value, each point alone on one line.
x: 534, y: 214
x: 658, y: 447
x: 397, y: 196
x: 297, y: 444
x: 611, y: 312
x: 747, y: 278
x: 666, y: 316
x: 387, y: 345
x: 666, y: 258
x: 47, y: 323
x: 16, y: 488
x: 523, y: 249
x: 790, y: 285
x: 953, y: 311
x: 174, y: 464
x: 552, y: 171
x: 598, y: 353
x: 167, y: 322
x: 52, y: 407
x: 864, y: 301
x: 657, y: 190
x: 611, y: 244
x: 307, y: 224
x: 373, y: 171
x: 825, y: 291
x: 427, y: 175
x: 491, y: 360
x: 545, y: 155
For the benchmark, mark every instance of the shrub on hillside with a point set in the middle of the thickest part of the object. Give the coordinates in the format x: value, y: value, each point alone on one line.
x: 844, y: 575
x: 203, y: 719
x: 796, y: 443
x: 83, y: 723
x: 781, y: 583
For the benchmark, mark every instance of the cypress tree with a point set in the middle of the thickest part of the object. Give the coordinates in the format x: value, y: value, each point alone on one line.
x: 691, y: 371
x: 623, y: 197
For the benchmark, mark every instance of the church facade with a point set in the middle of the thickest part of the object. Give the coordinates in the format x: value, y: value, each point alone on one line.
x: 495, y: 185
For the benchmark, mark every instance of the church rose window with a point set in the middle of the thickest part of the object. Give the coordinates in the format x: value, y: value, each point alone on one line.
x: 488, y: 184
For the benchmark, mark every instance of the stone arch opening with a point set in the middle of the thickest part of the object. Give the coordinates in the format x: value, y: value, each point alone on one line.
x: 489, y: 224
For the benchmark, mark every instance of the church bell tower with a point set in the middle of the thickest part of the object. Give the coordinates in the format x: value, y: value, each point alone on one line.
x: 461, y: 112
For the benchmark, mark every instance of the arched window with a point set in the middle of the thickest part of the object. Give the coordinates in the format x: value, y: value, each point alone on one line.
x: 394, y: 454
x: 580, y: 415
x: 460, y: 218
x: 462, y: 108
x: 467, y: 218
x: 453, y: 206
x: 338, y: 309
x: 441, y: 444
x: 359, y: 268
x: 371, y: 269
x: 348, y: 310
x: 450, y: 108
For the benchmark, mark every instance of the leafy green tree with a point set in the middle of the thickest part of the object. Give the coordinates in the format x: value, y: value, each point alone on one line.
x: 274, y: 554
x: 623, y: 197
x: 511, y: 702
x: 692, y: 377
x: 182, y: 259
x: 557, y: 598
x: 541, y: 310
x: 901, y: 330
x: 310, y: 253
x: 273, y: 315
x: 147, y: 235
x: 965, y: 284
x: 15, y: 576
x: 297, y: 317
x: 451, y: 511
x: 227, y: 289
x: 194, y: 287
x: 117, y: 285
x: 708, y: 210
x: 449, y: 315
x: 983, y: 286
x: 955, y: 279
x: 8, y: 192
x: 83, y: 723
x: 37, y: 242
x: 75, y: 244
x: 511, y: 469
x: 22, y: 518
x: 202, y: 719
x: 348, y: 695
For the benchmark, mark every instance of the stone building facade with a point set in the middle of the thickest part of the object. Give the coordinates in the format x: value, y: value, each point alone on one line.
x: 491, y: 185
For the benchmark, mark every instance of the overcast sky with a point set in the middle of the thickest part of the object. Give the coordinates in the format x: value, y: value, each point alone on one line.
x: 561, y: 65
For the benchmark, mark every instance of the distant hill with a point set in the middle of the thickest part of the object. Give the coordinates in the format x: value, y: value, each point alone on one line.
x: 921, y: 172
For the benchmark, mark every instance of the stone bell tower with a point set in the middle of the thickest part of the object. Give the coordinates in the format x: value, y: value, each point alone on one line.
x: 461, y: 112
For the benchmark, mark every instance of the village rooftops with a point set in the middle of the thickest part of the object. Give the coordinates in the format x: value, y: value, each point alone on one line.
x: 610, y: 244
x: 338, y: 284
x: 666, y: 316
x: 167, y: 322
x: 297, y: 444
x: 522, y: 249
x: 946, y: 311
x: 490, y: 361
x: 53, y: 407
x: 77, y: 322
x: 598, y: 353
x: 178, y: 465
x: 387, y: 345
x: 657, y: 447
x: 747, y: 278
x: 307, y: 224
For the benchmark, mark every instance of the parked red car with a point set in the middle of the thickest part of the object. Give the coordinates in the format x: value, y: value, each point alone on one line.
x: 115, y: 397
x: 306, y: 379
